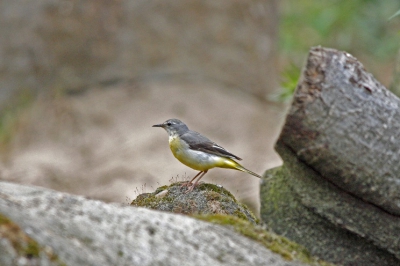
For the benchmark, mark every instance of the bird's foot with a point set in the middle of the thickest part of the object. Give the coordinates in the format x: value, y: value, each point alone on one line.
x: 186, y: 184
x: 190, y: 188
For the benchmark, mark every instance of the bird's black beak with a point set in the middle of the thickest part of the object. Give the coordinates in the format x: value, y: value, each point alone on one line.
x: 158, y: 125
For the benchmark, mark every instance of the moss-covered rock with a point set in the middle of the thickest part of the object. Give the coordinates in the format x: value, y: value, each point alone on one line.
x: 217, y: 205
x: 278, y: 244
x: 335, y: 226
x: 89, y: 232
x: 204, y: 199
x: 16, y: 245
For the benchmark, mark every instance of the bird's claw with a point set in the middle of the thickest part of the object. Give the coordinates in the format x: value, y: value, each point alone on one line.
x: 186, y: 184
x: 190, y: 189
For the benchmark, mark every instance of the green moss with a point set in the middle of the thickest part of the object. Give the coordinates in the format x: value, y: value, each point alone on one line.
x: 159, y: 189
x: 32, y: 249
x: 215, y: 188
x: 4, y: 220
x: 23, y: 245
x: 212, y: 195
x: 220, y: 190
x: 298, y: 203
x: 278, y: 244
x: 275, y: 190
x: 150, y: 200
x: 241, y: 215
x: 205, y: 198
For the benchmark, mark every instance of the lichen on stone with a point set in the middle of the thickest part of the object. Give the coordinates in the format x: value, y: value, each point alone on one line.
x: 22, y: 245
x: 204, y: 199
x: 287, y: 249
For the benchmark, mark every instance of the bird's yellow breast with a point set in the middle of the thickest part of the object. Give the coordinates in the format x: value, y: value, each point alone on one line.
x: 181, y: 151
x: 176, y: 145
x: 197, y: 160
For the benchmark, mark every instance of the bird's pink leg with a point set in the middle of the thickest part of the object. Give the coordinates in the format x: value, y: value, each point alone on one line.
x: 197, y: 181
x: 190, y: 182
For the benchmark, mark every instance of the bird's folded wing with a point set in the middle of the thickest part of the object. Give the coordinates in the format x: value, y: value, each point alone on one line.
x: 198, y: 142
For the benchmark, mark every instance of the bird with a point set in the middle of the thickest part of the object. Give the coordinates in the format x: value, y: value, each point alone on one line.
x: 198, y: 152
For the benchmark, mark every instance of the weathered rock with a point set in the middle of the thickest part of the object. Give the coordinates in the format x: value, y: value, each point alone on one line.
x: 88, y: 232
x: 214, y: 203
x: 204, y: 199
x: 16, y: 248
x: 338, y: 190
x: 290, y: 250
x: 344, y: 124
x: 334, y: 225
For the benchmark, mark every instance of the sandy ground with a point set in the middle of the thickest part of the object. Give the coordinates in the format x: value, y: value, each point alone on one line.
x: 101, y: 144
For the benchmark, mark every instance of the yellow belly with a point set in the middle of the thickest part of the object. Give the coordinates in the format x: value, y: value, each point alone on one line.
x: 196, y: 159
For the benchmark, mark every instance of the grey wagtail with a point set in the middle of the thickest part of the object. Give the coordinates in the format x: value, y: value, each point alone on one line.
x: 198, y: 152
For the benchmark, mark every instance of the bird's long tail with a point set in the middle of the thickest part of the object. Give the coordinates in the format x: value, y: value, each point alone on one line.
x: 241, y: 168
x: 232, y: 164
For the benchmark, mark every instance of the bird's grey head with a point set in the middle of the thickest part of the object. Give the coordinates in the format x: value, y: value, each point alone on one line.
x: 173, y: 126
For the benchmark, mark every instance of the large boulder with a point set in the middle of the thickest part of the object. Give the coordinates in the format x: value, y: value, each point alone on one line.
x: 337, y: 192
x: 334, y: 225
x: 87, y: 232
x: 204, y: 199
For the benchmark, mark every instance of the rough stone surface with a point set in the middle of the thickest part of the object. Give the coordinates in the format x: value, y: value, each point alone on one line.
x: 339, y: 184
x: 344, y: 124
x: 204, y: 199
x: 17, y: 248
x: 303, y: 206
x: 8, y: 256
x: 88, y: 232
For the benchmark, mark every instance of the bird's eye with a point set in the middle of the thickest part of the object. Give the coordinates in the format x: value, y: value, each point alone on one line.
x: 169, y: 123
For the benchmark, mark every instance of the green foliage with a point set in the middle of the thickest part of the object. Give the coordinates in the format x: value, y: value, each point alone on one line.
x: 9, y: 117
x: 395, y: 15
x: 360, y: 27
x: 289, y: 80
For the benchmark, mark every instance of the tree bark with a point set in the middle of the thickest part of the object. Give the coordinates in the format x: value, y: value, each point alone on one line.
x: 345, y: 125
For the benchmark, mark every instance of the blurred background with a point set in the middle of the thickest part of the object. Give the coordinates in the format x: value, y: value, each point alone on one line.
x: 82, y: 82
